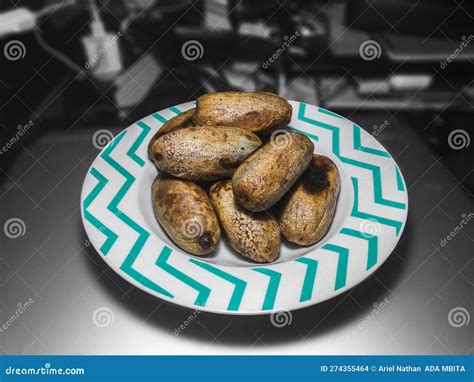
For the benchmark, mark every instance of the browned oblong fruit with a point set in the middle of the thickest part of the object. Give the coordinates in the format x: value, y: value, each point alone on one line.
x: 255, y: 236
x: 203, y: 152
x: 181, y: 121
x: 185, y: 213
x: 306, y: 212
x: 258, y: 112
x: 263, y: 178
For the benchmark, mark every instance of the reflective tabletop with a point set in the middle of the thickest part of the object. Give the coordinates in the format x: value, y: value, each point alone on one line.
x: 57, y: 296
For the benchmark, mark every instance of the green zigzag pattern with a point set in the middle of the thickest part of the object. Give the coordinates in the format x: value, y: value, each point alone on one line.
x: 342, y: 263
x: 376, y: 173
x: 143, y: 235
x: 203, y: 291
x: 372, y: 242
x: 111, y: 236
x: 363, y: 215
x: 309, y: 278
x: 272, y: 289
x: 239, y: 285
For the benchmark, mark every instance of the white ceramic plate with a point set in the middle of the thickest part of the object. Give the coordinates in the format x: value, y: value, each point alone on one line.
x: 370, y: 217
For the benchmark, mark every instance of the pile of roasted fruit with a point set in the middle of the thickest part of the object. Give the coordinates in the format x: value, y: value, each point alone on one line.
x: 231, y: 163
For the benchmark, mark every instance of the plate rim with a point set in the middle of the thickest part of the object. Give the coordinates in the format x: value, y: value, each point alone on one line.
x: 297, y: 305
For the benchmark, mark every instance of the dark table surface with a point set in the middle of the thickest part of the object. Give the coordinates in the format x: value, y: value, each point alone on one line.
x: 423, y: 291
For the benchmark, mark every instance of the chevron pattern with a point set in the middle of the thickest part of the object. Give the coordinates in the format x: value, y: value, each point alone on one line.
x: 198, y: 277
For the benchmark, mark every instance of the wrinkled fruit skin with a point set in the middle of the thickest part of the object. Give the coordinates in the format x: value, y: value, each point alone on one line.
x: 185, y: 213
x: 255, y: 236
x: 203, y: 153
x: 260, y: 113
x: 263, y: 178
x: 181, y: 121
x: 306, y: 212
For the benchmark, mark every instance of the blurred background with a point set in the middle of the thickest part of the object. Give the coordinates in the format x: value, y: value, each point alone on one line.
x: 74, y: 73
x: 68, y: 65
